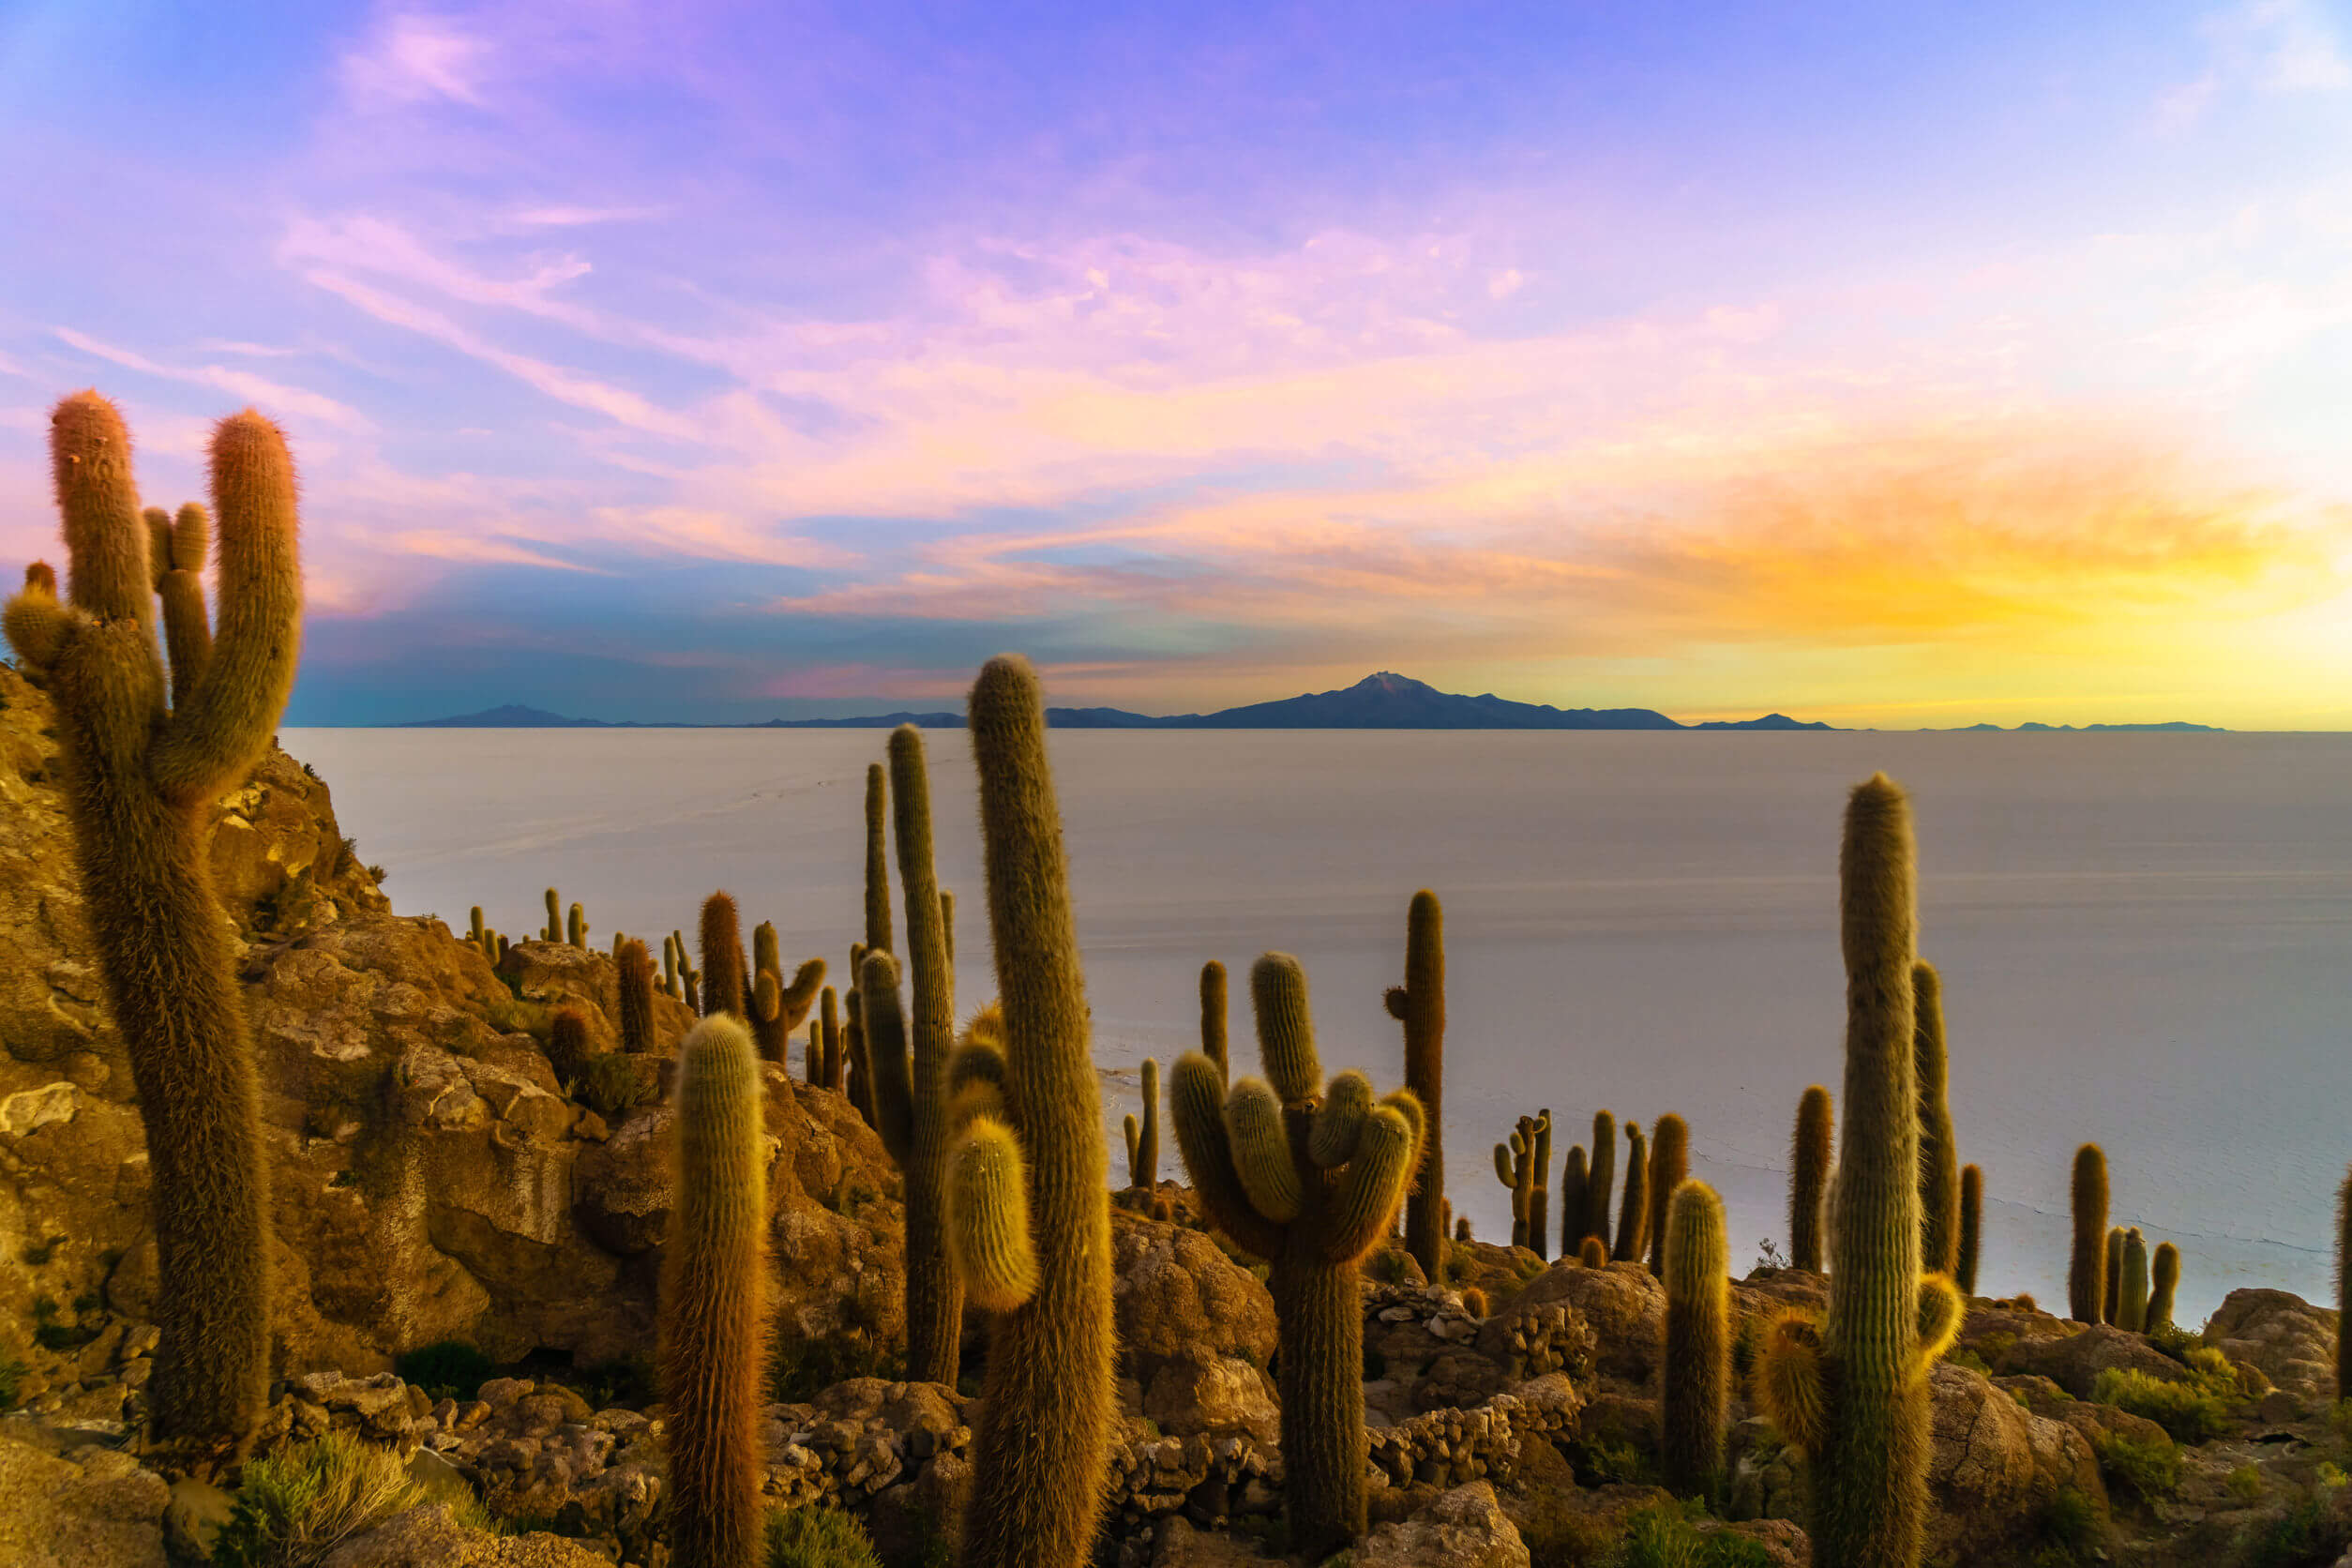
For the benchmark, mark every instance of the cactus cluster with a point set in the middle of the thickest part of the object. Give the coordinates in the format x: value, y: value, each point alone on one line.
x: 1308, y: 1176
x: 142, y: 763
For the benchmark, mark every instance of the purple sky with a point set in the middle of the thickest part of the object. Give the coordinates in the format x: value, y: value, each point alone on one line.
x: 1899, y: 365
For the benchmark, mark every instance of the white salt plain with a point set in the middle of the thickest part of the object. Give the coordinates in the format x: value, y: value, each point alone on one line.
x: 2146, y: 939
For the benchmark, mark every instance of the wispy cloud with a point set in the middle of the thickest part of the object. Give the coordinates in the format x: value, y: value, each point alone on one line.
x: 273, y: 397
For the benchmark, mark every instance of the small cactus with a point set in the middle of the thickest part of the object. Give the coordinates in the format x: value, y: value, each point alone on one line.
x: 1601, y: 1180
x: 2166, y: 1275
x: 2087, y: 1276
x: 1938, y: 1158
x: 2132, y: 1298
x: 1809, y: 1178
x: 567, y: 1045
x: 1971, y: 1228
x: 576, y: 928
x: 1419, y: 1005
x: 1632, y: 1219
x: 1143, y: 1148
x: 1474, y: 1303
x: 633, y: 980
x: 2111, y: 1303
x: 1694, y: 1404
x: 1669, y: 1164
x: 553, y: 931
x: 714, y: 1311
x: 1213, y: 1014
x: 1593, y: 1253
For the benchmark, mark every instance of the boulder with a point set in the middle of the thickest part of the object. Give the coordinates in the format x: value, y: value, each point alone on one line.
x: 86, y: 1505
x: 1174, y: 1293
x: 1465, y: 1527
x: 1203, y: 1391
x: 1178, y: 1545
x: 1623, y: 1307
x: 2284, y: 1336
x: 1996, y: 1467
x: 2074, y: 1362
x: 432, y: 1537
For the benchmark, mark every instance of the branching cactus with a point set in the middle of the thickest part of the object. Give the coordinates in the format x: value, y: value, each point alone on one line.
x: 2132, y: 1301
x: 935, y: 1297
x: 713, y: 1307
x: 2086, y: 1275
x: 1971, y: 1228
x: 1938, y: 1158
x: 1809, y: 1178
x: 1307, y: 1177
x: 1851, y: 1394
x: 777, y: 1004
x: 1574, y: 1179
x: 1419, y: 1005
x: 2165, y: 1273
x: 1028, y: 1206
x: 1695, y: 1400
x: 1515, y: 1167
x: 1632, y: 1218
x: 1600, y: 1181
x: 140, y: 776
x: 1669, y: 1162
x: 1212, y: 1013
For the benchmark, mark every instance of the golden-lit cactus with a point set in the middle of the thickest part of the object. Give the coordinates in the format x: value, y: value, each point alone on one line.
x: 1028, y: 1214
x: 1419, y: 1005
x: 827, y: 1074
x: 2165, y: 1274
x: 1632, y: 1218
x: 576, y: 927
x: 2086, y: 1275
x: 1593, y: 1253
x: 714, y: 1316
x: 877, y: 863
x: 1143, y: 1151
x: 553, y: 930
x: 1601, y: 1180
x: 1213, y: 1014
x: 2132, y: 1300
x: 1852, y: 1394
x: 2110, y: 1304
x: 1669, y: 1164
x: 1694, y: 1404
x: 141, y: 773
x: 1939, y: 1157
x: 1309, y: 1179
x: 724, y: 986
x: 1971, y: 1228
x: 1810, y: 1155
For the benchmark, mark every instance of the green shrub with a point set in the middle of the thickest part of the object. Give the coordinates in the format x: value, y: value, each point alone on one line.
x: 2069, y: 1525
x: 294, y: 1506
x: 1599, y: 1460
x: 611, y: 1084
x: 2190, y: 1412
x: 2173, y: 1340
x: 1968, y: 1359
x: 1662, y: 1536
x: 818, y: 1537
x: 2150, y: 1467
x: 2301, y: 1538
x: 446, y: 1369
x: 2244, y: 1484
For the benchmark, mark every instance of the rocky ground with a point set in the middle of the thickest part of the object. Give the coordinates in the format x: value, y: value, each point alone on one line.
x: 434, y: 1182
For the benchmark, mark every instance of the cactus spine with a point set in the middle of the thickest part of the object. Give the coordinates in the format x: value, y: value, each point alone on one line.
x: 2086, y: 1275
x: 1632, y: 1218
x: 1213, y: 1014
x: 1809, y: 1178
x: 139, y: 777
x: 1309, y: 1178
x: 2109, y: 1305
x: 877, y: 863
x: 1029, y: 1216
x: 1573, y: 1181
x: 1939, y: 1159
x: 1669, y: 1164
x: 1695, y: 1403
x: 1600, y: 1181
x: 2165, y: 1273
x: 1419, y: 1005
x: 714, y: 1310
x: 2132, y: 1303
x: 1971, y: 1228
x: 1852, y: 1394
x: 935, y: 1297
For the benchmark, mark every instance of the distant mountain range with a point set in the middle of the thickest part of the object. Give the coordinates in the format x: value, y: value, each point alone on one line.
x: 2173, y: 727
x: 1383, y: 702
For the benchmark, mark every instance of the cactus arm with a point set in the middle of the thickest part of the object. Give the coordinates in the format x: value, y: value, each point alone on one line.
x: 1286, y: 1032
x: 1195, y: 1097
x: 1261, y: 1152
x: 1212, y: 1015
x: 106, y: 538
x: 987, y: 1218
x: 1370, y: 1187
x: 975, y: 1062
x: 177, y: 554
x: 797, y: 996
x: 1347, y: 1103
x: 1941, y: 1311
x: 886, y: 1054
x: 1787, y: 1380
x: 36, y: 624
x: 227, y: 720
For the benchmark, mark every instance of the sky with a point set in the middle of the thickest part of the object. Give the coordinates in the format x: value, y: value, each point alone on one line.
x: 1911, y: 364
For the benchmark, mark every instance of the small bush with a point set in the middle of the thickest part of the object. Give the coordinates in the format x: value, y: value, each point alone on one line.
x: 2190, y: 1413
x: 1664, y: 1537
x: 2173, y: 1340
x: 2148, y: 1466
x: 1598, y: 1461
x: 2244, y: 1484
x: 611, y: 1085
x: 446, y: 1369
x: 1970, y: 1360
x: 297, y: 1505
x: 2299, y: 1538
x: 2069, y: 1524
x: 818, y: 1537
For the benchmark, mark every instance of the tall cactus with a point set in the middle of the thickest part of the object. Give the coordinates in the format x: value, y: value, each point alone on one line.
x: 140, y: 778
x: 1574, y: 1177
x: 2166, y: 1275
x: 714, y: 1310
x: 1669, y: 1164
x: 1632, y: 1218
x: 1539, y: 1203
x: 1600, y: 1181
x: 1419, y: 1005
x: 633, y: 980
x: 1212, y: 1013
x: 1971, y: 1228
x: 1028, y: 1217
x: 1938, y: 1158
x: 576, y: 927
x: 1809, y: 1177
x: 1852, y: 1394
x: 877, y: 863
x: 724, y: 986
x: 2132, y: 1301
x: 2086, y: 1275
x: 935, y: 1297
x: 1143, y: 1158
x: 1695, y: 1398
x: 1308, y: 1177
x: 553, y: 930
